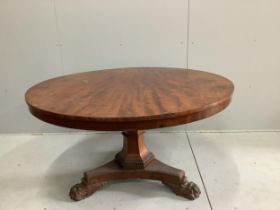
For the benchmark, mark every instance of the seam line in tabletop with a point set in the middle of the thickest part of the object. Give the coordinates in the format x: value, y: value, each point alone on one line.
x: 197, y: 166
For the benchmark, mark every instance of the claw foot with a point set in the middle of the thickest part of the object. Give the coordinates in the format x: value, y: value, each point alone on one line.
x: 189, y: 190
x: 82, y: 190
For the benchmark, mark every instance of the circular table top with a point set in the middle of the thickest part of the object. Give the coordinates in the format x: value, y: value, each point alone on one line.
x: 129, y: 98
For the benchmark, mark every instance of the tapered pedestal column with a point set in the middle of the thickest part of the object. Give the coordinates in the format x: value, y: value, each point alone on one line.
x: 135, y: 161
x: 134, y: 154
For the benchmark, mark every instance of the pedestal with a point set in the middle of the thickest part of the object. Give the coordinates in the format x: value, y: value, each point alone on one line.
x: 134, y: 161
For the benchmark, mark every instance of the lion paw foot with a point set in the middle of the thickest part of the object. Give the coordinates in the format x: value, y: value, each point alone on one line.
x: 189, y: 190
x: 81, y: 191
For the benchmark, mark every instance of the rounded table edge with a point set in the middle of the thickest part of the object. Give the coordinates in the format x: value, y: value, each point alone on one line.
x: 137, y: 124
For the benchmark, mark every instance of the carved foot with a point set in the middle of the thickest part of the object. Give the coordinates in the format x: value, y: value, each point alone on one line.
x: 83, y: 190
x: 189, y: 190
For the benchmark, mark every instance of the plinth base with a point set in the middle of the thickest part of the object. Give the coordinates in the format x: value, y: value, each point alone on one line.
x: 135, y: 161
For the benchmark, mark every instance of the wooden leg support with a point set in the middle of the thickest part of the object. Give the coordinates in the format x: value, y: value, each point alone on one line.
x: 135, y: 161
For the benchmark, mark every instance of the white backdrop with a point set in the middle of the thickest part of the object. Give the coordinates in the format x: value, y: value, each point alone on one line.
x: 40, y: 39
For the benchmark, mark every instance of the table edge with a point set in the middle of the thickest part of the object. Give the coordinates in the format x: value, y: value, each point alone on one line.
x: 130, y: 123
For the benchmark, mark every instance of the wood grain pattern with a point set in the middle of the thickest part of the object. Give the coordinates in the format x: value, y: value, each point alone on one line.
x: 129, y: 98
x: 134, y: 154
x: 134, y: 161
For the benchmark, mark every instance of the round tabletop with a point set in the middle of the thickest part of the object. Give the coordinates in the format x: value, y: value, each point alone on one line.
x: 129, y: 98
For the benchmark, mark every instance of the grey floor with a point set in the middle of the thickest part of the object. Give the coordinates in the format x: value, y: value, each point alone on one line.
x: 238, y: 171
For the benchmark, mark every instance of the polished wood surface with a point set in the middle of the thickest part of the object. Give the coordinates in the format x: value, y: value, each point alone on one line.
x: 129, y: 98
x: 134, y: 153
x: 134, y: 161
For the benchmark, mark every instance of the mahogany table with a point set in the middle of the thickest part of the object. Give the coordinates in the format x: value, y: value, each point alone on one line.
x: 130, y: 100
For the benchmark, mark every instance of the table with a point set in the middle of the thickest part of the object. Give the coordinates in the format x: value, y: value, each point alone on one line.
x: 130, y: 100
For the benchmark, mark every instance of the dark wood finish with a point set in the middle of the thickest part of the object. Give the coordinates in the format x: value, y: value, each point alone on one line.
x: 120, y: 169
x: 134, y: 153
x: 130, y: 100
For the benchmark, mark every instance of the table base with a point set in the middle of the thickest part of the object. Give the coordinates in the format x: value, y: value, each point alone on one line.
x: 135, y: 161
